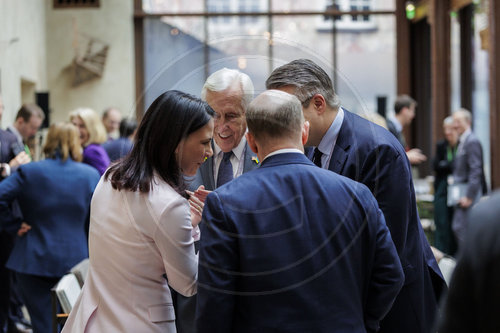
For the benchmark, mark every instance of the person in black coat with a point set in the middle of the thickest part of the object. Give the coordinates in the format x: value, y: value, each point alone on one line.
x: 473, y: 301
x: 443, y: 166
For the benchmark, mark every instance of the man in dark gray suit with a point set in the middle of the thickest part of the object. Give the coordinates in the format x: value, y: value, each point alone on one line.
x: 228, y: 92
x: 468, y: 169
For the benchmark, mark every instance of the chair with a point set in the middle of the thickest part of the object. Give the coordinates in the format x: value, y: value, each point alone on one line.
x: 447, y: 266
x: 65, y: 292
x: 80, y: 270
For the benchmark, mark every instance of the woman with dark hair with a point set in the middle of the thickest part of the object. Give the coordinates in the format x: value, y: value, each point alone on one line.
x: 54, y: 198
x: 140, y: 224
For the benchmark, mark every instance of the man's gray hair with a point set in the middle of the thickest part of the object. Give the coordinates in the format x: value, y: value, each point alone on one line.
x: 465, y: 114
x: 307, y: 78
x: 226, y: 78
x: 275, y: 114
x: 448, y: 121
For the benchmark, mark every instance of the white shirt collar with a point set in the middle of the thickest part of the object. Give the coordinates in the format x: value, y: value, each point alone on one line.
x: 16, y: 133
x: 237, y: 151
x: 284, y: 151
x: 330, y: 138
x: 396, y: 123
x: 464, y: 135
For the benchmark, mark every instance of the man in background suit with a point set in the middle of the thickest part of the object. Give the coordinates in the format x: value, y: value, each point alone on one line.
x: 468, y: 169
x: 11, y: 157
x: 290, y: 247
x: 404, y: 112
x: 473, y: 301
x: 358, y: 149
x: 111, y: 119
x: 29, y: 118
x: 446, y: 149
x: 228, y: 92
x: 120, y: 147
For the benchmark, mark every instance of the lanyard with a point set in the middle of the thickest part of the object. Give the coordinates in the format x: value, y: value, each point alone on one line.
x: 451, y: 153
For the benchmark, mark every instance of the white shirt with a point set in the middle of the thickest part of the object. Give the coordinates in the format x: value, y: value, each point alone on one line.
x: 330, y: 139
x: 462, y: 139
x: 396, y: 123
x: 237, y: 160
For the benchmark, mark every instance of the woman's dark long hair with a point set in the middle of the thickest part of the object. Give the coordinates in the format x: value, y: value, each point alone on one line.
x: 172, y: 117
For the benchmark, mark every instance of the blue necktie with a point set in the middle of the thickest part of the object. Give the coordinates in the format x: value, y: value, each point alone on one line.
x: 225, y: 169
x: 317, y: 157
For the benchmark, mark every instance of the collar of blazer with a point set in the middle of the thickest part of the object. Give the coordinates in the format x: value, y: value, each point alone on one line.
x: 285, y: 158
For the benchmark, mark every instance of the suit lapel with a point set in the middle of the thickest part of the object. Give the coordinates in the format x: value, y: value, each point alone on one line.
x: 337, y: 162
x: 250, y: 161
x: 342, y: 146
x: 207, y: 173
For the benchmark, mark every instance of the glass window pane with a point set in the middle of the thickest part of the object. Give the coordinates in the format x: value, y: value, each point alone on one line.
x: 299, y: 5
x: 481, y: 93
x: 320, y: 5
x: 172, y: 6
x: 455, y: 63
x: 297, y: 37
x: 242, y: 43
x: 366, y: 66
x: 173, y: 57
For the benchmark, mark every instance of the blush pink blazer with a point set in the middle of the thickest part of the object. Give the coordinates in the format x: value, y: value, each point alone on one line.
x: 135, y: 239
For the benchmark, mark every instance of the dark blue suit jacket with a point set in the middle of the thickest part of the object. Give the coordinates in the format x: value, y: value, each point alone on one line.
x: 289, y: 247
x: 118, y: 148
x: 54, y: 197
x: 7, y: 140
x: 186, y: 306
x: 371, y: 155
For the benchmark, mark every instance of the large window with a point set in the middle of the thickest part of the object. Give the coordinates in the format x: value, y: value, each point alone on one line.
x: 185, y: 41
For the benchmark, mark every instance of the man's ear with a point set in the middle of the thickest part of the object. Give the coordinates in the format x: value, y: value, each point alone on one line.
x: 305, y: 132
x: 319, y: 103
x: 251, y: 142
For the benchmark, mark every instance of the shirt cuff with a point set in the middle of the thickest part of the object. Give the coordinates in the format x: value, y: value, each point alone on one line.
x: 5, y: 170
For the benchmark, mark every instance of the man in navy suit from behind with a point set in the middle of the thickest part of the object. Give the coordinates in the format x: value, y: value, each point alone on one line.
x: 358, y: 149
x: 289, y: 247
x: 228, y: 92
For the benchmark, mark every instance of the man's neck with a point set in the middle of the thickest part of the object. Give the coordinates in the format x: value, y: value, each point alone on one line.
x: 399, y: 118
x: 327, y: 121
x: 270, y: 147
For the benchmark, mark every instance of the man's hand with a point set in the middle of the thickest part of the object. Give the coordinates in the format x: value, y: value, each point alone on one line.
x: 196, y: 203
x: 464, y: 202
x: 25, y: 227
x: 20, y: 159
x: 415, y: 156
x: 201, y: 193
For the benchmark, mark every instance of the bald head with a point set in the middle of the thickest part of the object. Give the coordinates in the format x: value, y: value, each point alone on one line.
x: 275, y: 114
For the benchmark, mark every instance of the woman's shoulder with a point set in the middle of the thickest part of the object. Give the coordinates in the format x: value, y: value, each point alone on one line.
x: 163, y: 195
x: 94, y: 147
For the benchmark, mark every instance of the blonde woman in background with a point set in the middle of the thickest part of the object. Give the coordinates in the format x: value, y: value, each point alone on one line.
x: 54, y: 198
x: 92, y: 134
